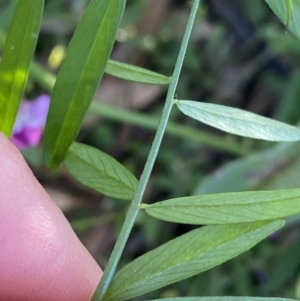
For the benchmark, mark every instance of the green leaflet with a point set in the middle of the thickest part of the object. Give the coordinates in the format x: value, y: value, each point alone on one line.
x: 136, y: 74
x: 288, y: 11
x: 228, y: 298
x: 100, y: 172
x: 79, y: 76
x: 186, y: 256
x: 17, y: 54
x: 226, y: 208
x: 238, y: 122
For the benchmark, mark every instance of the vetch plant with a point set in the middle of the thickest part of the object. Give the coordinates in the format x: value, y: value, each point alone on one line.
x: 232, y: 223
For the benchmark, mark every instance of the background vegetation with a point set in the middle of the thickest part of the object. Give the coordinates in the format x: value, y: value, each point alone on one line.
x: 241, y: 56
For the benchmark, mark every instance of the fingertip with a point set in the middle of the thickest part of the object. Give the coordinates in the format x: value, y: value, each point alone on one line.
x: 41, y: 258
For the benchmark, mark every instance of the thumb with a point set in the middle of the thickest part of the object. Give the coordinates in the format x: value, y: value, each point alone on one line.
x: 40, y: 256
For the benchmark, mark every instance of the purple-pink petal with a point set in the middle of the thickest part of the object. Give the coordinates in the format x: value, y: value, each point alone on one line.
x: 30, y: 121
x: 38, y: 111
x: 28, y: 137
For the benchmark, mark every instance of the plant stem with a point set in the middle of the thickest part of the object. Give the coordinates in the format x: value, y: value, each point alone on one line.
x: 134, y: 206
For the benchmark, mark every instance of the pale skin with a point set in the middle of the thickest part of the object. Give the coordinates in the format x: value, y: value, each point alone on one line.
x: 40, y: 256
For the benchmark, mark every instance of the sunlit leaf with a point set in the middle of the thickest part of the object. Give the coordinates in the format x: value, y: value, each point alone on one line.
x: 239, y: 122
x: 186, y: 256
x: 227, y: 298
x: 225, y: 208
x: 136, y: 74
x: 17, y: 54
x: 288, y: 11
x: 100, y: 172
x: 79, y: 76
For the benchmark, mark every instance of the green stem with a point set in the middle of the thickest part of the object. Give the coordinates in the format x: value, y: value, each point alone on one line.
x: 226, y: 144
x: 134, y: 206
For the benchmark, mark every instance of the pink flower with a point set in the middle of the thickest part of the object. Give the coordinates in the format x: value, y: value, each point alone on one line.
x: 30, y: 121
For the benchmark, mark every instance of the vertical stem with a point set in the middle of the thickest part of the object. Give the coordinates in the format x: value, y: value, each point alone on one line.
x: 134, y: 206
